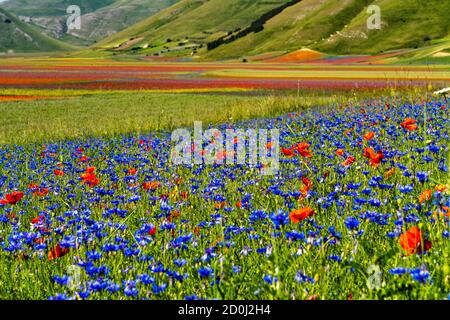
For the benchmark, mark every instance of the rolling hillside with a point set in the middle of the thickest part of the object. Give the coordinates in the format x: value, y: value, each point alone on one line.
x: 17, y: 36
x: 100, y: 18
x: 222, y: 29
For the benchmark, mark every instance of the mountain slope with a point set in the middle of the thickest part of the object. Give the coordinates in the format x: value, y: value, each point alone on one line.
x: 18, y: 36
x: 220, y: 29
x: 302, y: 25
x: 192, y: 23
x: 100, y: 18
x: 406, y: 23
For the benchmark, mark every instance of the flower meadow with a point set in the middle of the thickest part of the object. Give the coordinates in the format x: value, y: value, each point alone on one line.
x: 358, y: 210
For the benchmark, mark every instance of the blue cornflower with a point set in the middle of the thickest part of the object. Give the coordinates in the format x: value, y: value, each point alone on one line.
x: 281, y: 218
x: 335, y: 258
x: 422, y: 176
x: 131, y: 291
x: 146, y: 279
x: 236, y: 269
x: 61, y: 280
x: 270, y: 279
x: 180, y: 262
x: 405, y: 189
x: 60, y: 296
x: 420, y: 275
x: 93, y: 255
x: 398, y: 271
x: 158, y: 289
x: 300, y: 278
x: 205, y: 272
x: 351, y: 223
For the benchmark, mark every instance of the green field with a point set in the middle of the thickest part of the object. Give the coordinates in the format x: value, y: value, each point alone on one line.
x: 108, y: 114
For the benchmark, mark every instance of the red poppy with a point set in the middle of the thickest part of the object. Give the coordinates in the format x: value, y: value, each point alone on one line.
x: 83, y: 159
x: 58, y: 172
x: 12, y: 198
x: 409, y: 124
x: 301, y: 214
x: 89, y: 177
x: 38, y: 219
x: 349, y: 161
x: 152, y: 231
x: 41, y: 192
x: 307, y: 182
x: 33, y: 186
x: 184, y: 195
x: 374, y: 158
x: 90, y: 169
x: 411, y: 241
x: 446, y: 209
x: 132, y: 171
x: 287, y: 152
x: 369, y: 136
x: 57, y: 252
x: 220, y: 205
x: 307, y: 185
x: 340, y: 152
x: 425, y: 196
x: 368, y: 153
x: 302, y: 148
x: 153, y: 185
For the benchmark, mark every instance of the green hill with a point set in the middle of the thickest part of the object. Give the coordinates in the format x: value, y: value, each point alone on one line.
x: 100, y: 18
x: 191, y: 23
x: 220, y: 29
x: 18, y: 36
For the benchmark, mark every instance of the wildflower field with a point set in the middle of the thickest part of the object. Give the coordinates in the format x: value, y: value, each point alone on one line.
x: 359, y: 208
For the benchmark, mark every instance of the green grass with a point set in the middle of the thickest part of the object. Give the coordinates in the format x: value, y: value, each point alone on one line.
x: 116, y: 113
